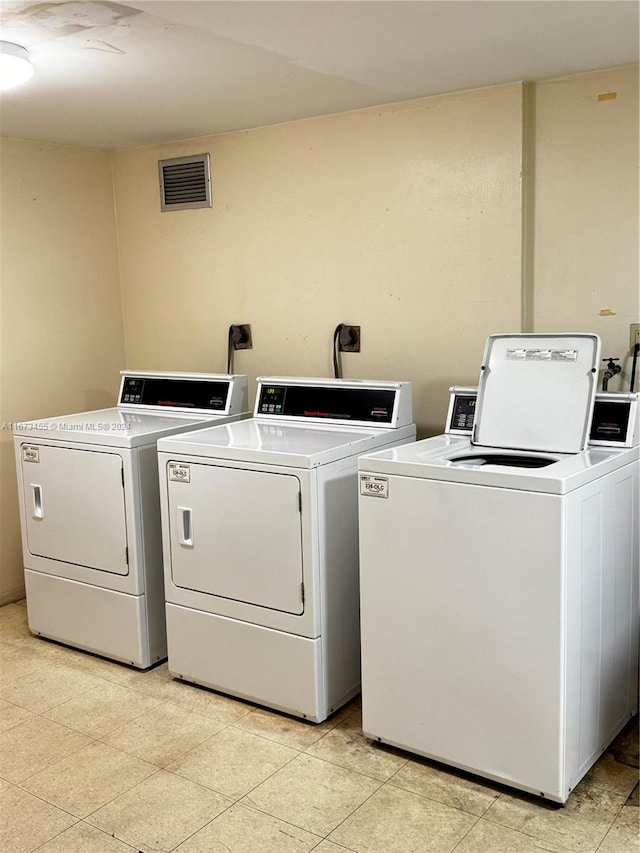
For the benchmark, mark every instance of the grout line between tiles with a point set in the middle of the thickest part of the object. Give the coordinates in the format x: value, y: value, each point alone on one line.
x: 473, y: 825
x: 58, y: 834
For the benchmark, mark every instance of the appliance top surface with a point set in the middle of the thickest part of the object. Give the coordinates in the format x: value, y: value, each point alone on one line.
x: 330, y: 382
x: 456, y: 459
x: 303, y: 445
x: 536, y: 392
x: 115, y: 427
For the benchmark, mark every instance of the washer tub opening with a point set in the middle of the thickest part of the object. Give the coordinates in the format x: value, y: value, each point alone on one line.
x: 506, y: 459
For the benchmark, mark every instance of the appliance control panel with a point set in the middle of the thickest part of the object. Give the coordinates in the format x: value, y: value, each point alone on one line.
x: 342, y: 401
x: 462, y: 410
x: 615, y: 421
x: 183, y: 392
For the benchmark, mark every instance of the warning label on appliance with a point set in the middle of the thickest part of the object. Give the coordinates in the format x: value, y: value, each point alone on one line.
x: 542, y: 354
x: 564, y: 355
x: 30, y: 454
x: 179, y: 472
x: 377, y: 487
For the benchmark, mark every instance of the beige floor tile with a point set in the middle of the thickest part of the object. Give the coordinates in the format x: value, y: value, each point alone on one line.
x: 160, y: 813
x: 233, y: 761
x: 445, y: 786
x: 291, y: 810
x: 611, y: 774
x: 13, y: 625
x: 45, y: 686
x: 12, y: 715
x: 34, y: 745
x: 396, y: 821
x: 312, y: 794
x: 27, y: 822
x: 486, y: 837
x: 579, y: 827
x: 346, y: 746
x: 16, y: 660
x: 223, y: 708
x: 82, y: 838
x: 239, y: 830
x: 102, y: 709
x: 88, y: 779
x: 163, y: 734
x: 138, y: 679
x: 160, y: 685
x: 37, y: 652
x: 624, y: 835
x: 109, y: 670
x: 298, y: 734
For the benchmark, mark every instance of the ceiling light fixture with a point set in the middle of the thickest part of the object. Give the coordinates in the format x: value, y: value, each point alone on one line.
x: 15, y: 67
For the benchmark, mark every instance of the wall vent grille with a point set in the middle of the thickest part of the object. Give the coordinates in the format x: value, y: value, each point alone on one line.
x: 185, y: 183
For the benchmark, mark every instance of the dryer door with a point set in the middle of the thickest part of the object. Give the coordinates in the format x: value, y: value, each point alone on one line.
x: 74, y: 506
x: 237, y: 534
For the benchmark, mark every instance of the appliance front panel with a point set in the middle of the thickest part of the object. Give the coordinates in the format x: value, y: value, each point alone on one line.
x: 236, y: 534
x: 75, y: 506
x: 273, y: 668
x: 102, y: 621
x: 462, y: 634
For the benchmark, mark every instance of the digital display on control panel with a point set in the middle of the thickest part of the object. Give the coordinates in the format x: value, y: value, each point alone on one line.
x: 347, y: 404
x: 610, y: 421
x: 464, y: 410
x: 175, y: 393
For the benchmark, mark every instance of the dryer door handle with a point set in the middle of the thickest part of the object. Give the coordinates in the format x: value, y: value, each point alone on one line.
x: 185, y: 526
x: 38, y: 506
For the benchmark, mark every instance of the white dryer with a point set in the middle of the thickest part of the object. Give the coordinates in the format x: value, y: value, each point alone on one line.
x: 261, y: 544
x: 499, y: 573
x: 90, y: 514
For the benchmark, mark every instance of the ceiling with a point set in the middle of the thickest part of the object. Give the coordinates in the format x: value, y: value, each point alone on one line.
x: 116, y: 75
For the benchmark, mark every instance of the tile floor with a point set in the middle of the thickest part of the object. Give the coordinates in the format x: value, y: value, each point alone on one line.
x: 95, y: 757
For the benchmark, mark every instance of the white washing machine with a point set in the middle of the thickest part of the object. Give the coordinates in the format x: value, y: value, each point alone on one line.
x: 260, y: 534
x: 499, y: 573
x: 90, y: 515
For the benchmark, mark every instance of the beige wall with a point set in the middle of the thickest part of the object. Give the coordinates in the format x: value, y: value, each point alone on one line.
x: 407, y: 219
x: 586, y: 200
x: 61, y: 322
x: 404, y: 219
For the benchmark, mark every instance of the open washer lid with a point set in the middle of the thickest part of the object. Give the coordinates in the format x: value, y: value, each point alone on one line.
x: 536, y: 392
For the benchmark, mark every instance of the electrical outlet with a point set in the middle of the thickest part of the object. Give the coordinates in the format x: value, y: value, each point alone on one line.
x: 349, y: 339
x: 634, y: 337
x: 241, y: 336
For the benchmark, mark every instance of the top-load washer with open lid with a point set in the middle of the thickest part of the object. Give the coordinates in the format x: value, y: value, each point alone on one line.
x: 499, y: 573
x: 90, y: 513
x: 260, y: 532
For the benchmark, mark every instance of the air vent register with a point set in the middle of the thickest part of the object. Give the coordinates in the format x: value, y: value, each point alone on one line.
x: 185, y: 182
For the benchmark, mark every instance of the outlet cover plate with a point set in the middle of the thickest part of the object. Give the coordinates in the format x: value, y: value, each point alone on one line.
x: 355, y: 337
x: 245, y: 341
